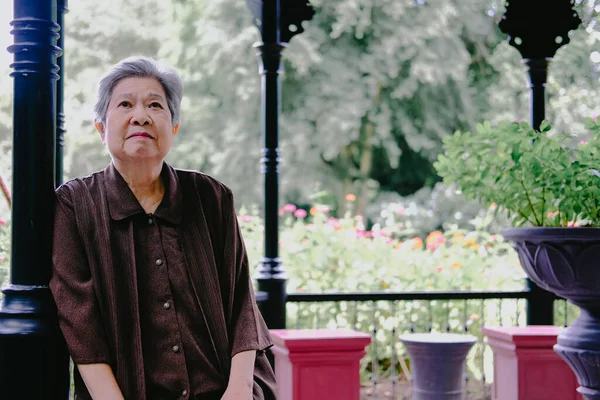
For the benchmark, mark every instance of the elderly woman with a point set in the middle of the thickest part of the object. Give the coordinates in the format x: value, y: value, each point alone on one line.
x: 150, y: 276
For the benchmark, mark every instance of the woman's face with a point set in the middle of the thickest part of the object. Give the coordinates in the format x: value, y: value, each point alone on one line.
x: 138, y: 123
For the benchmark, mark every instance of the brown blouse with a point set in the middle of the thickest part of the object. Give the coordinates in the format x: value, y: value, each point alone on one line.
x: 164, y: 298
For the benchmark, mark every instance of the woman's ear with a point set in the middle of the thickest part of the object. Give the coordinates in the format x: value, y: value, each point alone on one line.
x: 100, y: 128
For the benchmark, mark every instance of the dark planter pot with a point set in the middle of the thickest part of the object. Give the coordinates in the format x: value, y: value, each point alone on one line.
x: 438, y: 362
x: 566, y: 262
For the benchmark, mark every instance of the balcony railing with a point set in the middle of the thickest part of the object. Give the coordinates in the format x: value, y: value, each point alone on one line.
x: 387, y: 315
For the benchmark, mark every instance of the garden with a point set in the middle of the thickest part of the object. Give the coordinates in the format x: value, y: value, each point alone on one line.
x: 400, y: 169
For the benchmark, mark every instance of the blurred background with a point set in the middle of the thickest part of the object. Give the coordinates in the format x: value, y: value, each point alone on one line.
x: 369, y: 91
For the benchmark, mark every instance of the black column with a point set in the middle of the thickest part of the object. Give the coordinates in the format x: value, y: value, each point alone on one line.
x: 538, y: 28
x: 34, y: 363
x: 278, y: 21
x: 62, y: 9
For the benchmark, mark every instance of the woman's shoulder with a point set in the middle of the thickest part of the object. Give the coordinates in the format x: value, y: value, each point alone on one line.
x: 204, y: 183
x: 78, y: 186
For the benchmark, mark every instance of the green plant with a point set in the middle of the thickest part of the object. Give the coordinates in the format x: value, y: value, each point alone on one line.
x: 540, y: 179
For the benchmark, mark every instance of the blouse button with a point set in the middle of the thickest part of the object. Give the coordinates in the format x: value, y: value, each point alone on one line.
x: 167, y: 305
x: 150, y: 221
x: 184, y: 393
x: 175, y: 349
x: 159, y: 262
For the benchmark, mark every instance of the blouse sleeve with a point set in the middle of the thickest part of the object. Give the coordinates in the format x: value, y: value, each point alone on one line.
x: 247, y: 328
x: 73, y: 290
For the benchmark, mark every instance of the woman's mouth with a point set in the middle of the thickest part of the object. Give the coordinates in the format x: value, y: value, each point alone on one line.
x: 141, y: 135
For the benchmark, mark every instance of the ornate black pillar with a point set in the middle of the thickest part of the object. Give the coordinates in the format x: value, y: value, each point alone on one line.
x: 538, y: 28
x: 34, y: 363
x: 62, y: 9
x: 278, y: 21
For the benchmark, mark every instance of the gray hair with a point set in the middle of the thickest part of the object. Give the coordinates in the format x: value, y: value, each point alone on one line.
x: 140, y: 67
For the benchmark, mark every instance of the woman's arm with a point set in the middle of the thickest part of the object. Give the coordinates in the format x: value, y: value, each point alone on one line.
x: 100, y: 381
x: 78, y: 314
x: 241, y: 377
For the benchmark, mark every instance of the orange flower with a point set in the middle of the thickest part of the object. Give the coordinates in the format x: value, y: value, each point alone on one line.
x: 455, y: 265
x: 457, y: 238
x: 350, y: 197
x: 416, y: 243
x: 492, y: 206
x: 434, y: 239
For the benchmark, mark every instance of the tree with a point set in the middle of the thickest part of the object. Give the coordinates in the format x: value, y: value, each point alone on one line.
x: 368, y: 91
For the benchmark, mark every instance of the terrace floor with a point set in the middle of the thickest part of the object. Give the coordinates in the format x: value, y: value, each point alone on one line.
x: 402, y: 391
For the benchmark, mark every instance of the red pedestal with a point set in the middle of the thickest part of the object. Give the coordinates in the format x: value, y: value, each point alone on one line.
x: 318, y: 364
x: 527, y: 368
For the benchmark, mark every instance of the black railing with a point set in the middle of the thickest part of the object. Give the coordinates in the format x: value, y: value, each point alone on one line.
x: 396, y: 296
x: 387, y: 315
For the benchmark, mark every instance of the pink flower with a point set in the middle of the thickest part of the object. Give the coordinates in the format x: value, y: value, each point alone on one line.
x: 2, y: 222
x: 289, y: 208
x: 300, y: 213
x: 360, y: 233
x: 572, y: 224
x: 246, y: 218
x: 334, y: 223
x: 432, y: 246
x: 583, y: 142
x: 2, y: 259
x: 439, y: 269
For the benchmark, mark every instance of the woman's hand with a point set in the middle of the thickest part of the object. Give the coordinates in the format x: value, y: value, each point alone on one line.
x: 100, y: 381
x: 237, y: 392
x: 241, y: 379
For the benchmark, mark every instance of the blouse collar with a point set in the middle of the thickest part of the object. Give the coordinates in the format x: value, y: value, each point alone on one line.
x: 122, y: 203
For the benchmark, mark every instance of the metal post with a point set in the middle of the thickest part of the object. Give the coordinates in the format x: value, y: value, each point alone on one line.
x: 537, y: 70
x: 62, y: 9
x: 537, y: 47
x: 34, y: 363
x: 277, y: 22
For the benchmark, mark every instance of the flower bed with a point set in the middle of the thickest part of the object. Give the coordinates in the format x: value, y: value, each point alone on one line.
x: 323, y: 254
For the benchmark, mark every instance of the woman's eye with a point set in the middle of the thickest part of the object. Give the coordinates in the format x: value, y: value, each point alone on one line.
x: 156, y: 104
x: 124, y: 104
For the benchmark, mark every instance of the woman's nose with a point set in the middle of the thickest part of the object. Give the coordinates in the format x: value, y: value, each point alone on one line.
x: 140, y: 117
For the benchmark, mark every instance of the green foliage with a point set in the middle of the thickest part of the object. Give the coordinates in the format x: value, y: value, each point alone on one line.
x: 368, y: 91
x: 439, y: 208
x: 327, y: 254
x: 539, y: 178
